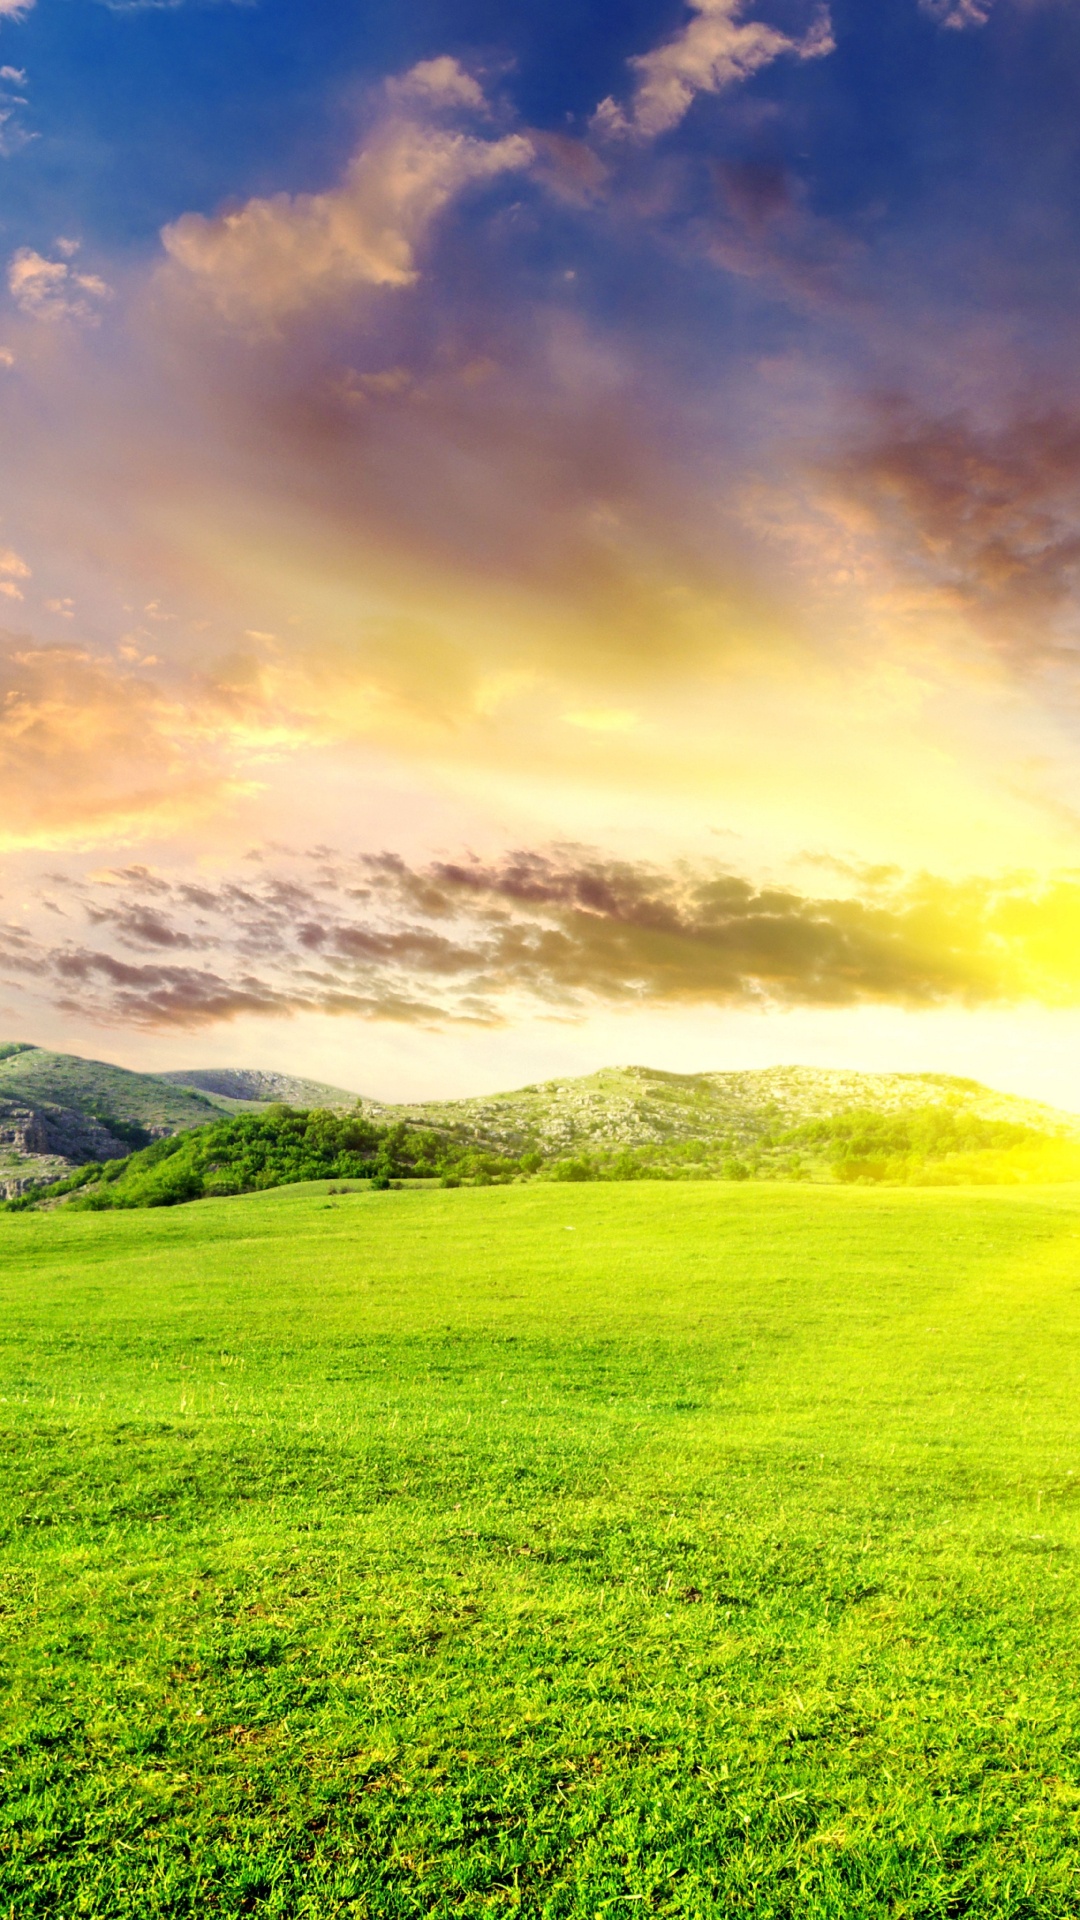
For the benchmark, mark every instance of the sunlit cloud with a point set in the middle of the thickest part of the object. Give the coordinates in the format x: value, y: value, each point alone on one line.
x: 53, y: 290
x: 716, y: 50
x: 92, y: 750
x: 273, y: 258
x: 564, y: 929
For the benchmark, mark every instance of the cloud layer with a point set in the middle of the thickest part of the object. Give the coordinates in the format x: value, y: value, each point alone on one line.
x: 564, y: 930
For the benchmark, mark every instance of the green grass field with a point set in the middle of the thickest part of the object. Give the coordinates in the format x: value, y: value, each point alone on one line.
x: 571, y: 1551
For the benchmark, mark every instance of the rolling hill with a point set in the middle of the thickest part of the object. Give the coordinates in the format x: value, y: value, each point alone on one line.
x: 58, y: 1111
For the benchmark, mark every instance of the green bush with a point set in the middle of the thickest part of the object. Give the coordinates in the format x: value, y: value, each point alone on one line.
x: 249, y: 1153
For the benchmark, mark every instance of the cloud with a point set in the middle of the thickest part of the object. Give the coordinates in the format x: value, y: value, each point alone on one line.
x: 425, y: 504
x: 989, y: 515
x: 435, y: 503
x: 958, y: 14
x: 564, y: 929
x: 12, y: 569
x: 93, y: 748
x: 15, y: 9
x: 13, y: 134
x: 441, y: 82
x: 52, y: 289
x: 585, y: 925
x: 763, y: 229
x: 275, y: 257
x: 716, y: 50
x: 164, y: 6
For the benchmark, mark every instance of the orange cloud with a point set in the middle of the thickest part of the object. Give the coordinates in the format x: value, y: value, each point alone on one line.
x: 91, y: 750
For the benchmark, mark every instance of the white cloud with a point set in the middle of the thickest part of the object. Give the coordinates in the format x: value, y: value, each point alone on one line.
x: 51, y: 289
x: 715, y: 50
x: 156, y: 6
x: 442, y: 83
x: 14, y: 9
x: 276, y: 256
x: 13, y: 134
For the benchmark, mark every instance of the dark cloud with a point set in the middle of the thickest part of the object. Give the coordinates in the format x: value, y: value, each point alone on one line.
x: 989, y: 513
x: 470, y: 939
x: 763, y: 228
x: 137, y: 926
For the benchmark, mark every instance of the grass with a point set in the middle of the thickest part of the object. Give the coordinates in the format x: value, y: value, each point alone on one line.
x: 566, y: 1551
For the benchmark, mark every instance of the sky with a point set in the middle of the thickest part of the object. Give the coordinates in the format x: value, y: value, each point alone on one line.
x: 536, y: 537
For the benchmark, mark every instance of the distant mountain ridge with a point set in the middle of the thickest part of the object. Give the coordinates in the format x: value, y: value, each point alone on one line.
x: 247, y: 1086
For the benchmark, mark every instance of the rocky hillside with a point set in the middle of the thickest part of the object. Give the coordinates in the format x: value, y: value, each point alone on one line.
x: 641, y: 1107
x: 246, y: 1089
x: 58, y: 1111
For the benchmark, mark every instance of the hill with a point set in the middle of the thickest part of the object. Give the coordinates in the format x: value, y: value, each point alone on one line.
x: 243, y: 1089
x: 58, y: 1111
x: 666, y: 1118
x: 787, y: 1124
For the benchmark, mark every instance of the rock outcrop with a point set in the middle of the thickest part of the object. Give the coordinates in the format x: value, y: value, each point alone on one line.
x: 41, y: 1143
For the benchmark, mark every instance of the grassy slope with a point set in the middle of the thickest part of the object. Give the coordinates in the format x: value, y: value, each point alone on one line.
x: 95, y: 1087
x: 410, y: 1553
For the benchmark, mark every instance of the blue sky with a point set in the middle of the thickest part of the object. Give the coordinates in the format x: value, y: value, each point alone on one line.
x: 140, y: 112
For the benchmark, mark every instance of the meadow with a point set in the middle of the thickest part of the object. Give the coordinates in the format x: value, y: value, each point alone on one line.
x: 583, y: 1550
